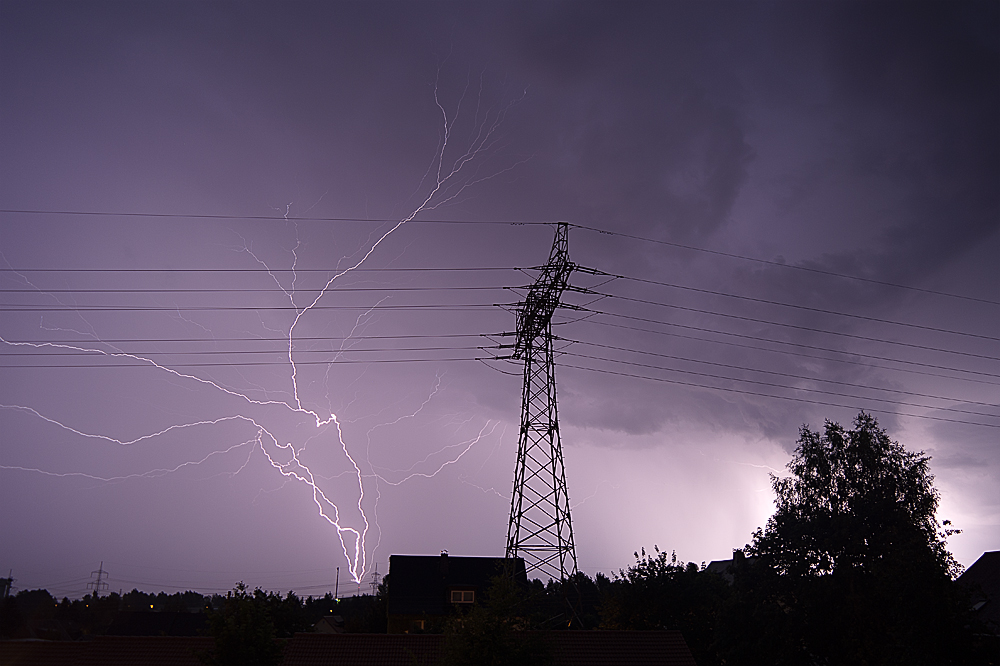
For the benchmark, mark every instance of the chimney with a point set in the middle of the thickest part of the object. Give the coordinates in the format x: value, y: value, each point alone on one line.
x: 443, y: 566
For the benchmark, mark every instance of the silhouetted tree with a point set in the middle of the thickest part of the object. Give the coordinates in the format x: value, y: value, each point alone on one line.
x: 288, y: 614
x: 12, y: 620
x: 853, y: 565
x: 660, y: 592
x: 244, y: 631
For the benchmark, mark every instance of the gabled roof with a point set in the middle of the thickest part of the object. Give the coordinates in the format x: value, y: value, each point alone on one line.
x: 721, y: 567
x: 725, y: 568
x: 983, y: 579
x: 418, y: 583
x: 145, y: 651
x: 984, y: 572
x: 39, y: 653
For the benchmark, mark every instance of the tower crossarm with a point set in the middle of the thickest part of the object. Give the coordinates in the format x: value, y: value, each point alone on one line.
x: 535, y: 312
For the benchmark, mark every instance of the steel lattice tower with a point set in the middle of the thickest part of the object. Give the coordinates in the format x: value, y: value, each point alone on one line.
x: 540, y: 528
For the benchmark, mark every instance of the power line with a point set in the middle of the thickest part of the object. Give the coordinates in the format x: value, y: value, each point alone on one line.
x: 298, y: 352
x: 463, y: 307
x: 606, y: 232
x: 779, y: 386
x: 149, y: 364
x: 476, y: 288
x: 227, y: 352
x: 601, y: 323
x: 275, y: 218
x: 775, y: 373
x: 284, y: 339
x: 382, y: 350
x: 778, y: 264
x: 796, y: 306
x: 392, y: 306
x: 404, y: 269
x: 275, y: 290
x: 777, y: 342
x: 800, y: 354
x: 457, y: 307
x: 771, y: 395
x: 793, y: 326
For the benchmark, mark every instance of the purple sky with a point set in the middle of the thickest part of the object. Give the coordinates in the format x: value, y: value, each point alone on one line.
x: 846, y: 138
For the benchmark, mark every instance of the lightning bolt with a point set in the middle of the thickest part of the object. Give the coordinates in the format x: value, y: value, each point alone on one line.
x: 141, y: 475
x: 452, y: 177
x: 465, y: 447
x: 491, y: 489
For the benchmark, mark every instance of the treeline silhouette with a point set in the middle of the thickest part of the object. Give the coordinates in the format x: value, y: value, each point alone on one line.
x: 37, y: 614
x: 852, y: 568
x: 745, y: 616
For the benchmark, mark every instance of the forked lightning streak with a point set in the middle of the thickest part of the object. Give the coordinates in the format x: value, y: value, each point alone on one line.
x: 451, y: 178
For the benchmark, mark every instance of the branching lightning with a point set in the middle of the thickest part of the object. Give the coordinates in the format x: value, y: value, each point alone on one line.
x: 139, y: 475
x: 448, y: 179
x: 486, y: 430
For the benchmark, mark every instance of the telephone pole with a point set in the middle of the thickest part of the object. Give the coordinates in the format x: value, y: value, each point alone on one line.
x: 540, y: 529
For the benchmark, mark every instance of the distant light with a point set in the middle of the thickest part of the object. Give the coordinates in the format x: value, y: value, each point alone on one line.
x: 150, y: 605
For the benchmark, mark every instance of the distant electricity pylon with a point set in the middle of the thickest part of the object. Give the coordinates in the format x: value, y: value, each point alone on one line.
x: 540, y: 529
x: 99, y: 584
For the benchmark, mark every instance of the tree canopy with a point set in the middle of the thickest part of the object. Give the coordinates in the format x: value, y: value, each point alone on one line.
x: 661, y: 592
x: 853, y: 565
x: 855, y: 500
x: 244, y: 631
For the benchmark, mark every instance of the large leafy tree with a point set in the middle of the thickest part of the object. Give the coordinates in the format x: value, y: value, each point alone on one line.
x: 855, y: 501
x: 853, y: 565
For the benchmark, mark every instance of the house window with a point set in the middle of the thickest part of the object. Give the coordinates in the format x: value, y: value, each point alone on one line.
x: 463, y: 596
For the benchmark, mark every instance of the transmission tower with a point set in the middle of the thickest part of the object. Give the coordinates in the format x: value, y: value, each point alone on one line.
x: 99, y: 584
x: 540, y: 529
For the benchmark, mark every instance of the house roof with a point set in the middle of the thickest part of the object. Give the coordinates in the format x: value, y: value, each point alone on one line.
x: 721, y: 567
x: 725, y: 568
x: 145, y: 650
x: 39, y: 653
x: 983, y: 579
x: 984, y: 572
x: 418, y: 583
